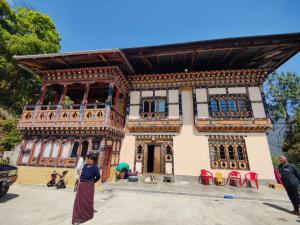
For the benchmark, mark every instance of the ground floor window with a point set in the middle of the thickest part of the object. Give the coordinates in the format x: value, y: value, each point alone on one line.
x: 228, y: 152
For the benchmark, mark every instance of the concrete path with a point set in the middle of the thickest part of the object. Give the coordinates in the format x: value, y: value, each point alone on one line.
x: 121, y: 204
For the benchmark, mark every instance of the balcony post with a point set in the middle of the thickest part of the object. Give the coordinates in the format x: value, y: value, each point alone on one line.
x: 86, y: 94
x: 63, y: 95
x: 108, y: 102
x: 84, y: 100
x: 43, y: 95
x: 116, y: 100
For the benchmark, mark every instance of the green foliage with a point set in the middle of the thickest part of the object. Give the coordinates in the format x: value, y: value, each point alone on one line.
x: 5, y: 161
x: 275, y: 159
x: 11, y: 135
x: 22, y: 31
x: 283, y: 98
x: 68, y: 101
x: 283, y: 95
x: 292, y: 141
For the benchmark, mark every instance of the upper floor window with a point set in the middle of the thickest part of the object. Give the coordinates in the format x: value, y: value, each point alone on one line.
x: 154, y: 108
x: 229, y: 106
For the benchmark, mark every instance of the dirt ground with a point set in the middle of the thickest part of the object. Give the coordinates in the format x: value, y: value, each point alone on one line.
x: 116, y: 206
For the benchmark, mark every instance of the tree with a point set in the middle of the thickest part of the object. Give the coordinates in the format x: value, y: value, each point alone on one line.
x: 11, y: 135
x: 282, y: 92
x: 22, y: 31
x: 292, y: 142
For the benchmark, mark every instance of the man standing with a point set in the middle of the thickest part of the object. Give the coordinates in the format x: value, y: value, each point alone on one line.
x: 290, y: 178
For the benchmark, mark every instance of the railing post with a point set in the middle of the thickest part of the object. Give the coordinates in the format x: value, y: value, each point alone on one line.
x: 108, y: 103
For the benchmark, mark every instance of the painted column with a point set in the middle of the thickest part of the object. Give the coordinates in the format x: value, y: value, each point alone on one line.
x: 84, y: 101
x: 61, y: 100
x: 108, y: 102
x: 63, y: 95
x: 86, y: 94
x: 43, y: 95
x: 116, y: 101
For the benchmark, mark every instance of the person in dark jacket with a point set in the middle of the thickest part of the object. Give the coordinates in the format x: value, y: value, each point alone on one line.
x: 84, y: 202
x: 290, y: 178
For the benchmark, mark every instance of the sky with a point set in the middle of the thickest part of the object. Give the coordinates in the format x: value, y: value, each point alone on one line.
x: 100, y: 24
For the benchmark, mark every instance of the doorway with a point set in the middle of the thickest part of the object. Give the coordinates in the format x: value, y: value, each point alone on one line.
x: 153, y: 159
x: 85, y: 147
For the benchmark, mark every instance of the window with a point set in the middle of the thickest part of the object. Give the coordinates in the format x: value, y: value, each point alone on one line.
x: 74, y: 150
x: 228, y: 152
x: 214, y: 105
x: 168, y: 150
x: 242, y: 105
x: 231, y: 152
x: 139, y: 149
x: 96, y: 145
x: 222, y: 152
x: 161, y: 106
x: 232, y: 105
x: 154, y: 108
x: 213, y: 153
x: 223, y: 105
x: 240, y: 153
x: 229, y: 106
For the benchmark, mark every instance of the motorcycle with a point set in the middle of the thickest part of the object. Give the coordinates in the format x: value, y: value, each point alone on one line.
x: 57, y: 180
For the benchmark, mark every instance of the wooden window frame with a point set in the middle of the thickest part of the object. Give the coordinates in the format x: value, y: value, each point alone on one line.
x: 229, y: 113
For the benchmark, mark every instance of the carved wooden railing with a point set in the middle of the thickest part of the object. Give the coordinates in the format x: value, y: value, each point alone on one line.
x: 89, y: 115
x: 154, y: 115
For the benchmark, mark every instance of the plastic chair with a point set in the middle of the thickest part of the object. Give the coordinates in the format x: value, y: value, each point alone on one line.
x: 219, y: 180
x: 205, y: 176
x: 251, y: 176
x: 278, y: 176
x: 234, y: 176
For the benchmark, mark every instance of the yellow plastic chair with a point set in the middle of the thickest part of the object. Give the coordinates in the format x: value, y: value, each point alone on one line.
x: 219, y: 180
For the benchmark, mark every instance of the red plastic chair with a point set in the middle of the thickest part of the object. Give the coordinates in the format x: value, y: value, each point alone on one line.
x: 278, y: 176
x: 205, y: 176
x: 251, y: 176
x: 234, y: 176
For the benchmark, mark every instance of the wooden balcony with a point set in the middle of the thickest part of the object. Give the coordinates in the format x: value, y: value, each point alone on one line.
x: 154, y: 122
x: 72, y: 117
x: 231, y: 125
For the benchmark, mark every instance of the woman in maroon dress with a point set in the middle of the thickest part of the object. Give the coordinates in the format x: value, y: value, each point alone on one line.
x: 83, y: 209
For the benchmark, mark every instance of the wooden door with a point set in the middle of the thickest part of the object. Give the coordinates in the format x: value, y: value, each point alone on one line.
x: 157, y: 159
x: 106, y: 165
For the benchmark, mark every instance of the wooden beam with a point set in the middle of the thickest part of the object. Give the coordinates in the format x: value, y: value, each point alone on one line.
x: 237, y: 56
x: 193, y: 59
x: 127, y: 63
x: 146, y: 61
x: 31, y: 64
x: 102, y: 57
x: 225, y: 56
x: 63, y: 61
x: 211, y: 57
x: 204, y: 49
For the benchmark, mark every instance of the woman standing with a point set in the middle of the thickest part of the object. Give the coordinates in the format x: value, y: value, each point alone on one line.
x: 83, y: 209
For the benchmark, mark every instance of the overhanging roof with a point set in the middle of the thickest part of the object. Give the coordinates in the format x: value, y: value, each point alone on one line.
x: 268, y: 51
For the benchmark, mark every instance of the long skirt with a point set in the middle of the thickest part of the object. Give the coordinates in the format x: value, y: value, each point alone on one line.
x: 83, y: 209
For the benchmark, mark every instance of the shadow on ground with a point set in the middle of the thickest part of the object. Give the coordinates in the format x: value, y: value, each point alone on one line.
x: 277, y: 207
x: 8, y: 197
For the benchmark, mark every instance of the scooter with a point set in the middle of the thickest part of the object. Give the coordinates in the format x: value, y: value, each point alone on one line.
x: 60, y: 183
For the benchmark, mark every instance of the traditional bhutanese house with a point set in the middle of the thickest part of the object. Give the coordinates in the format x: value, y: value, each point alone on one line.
x: 168, y: 109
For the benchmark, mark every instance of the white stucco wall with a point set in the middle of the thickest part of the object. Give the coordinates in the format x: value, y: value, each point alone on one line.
x: 259, y: 155
x: 190, y: 148
x: 173, y: 96
x: 128, y: 150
